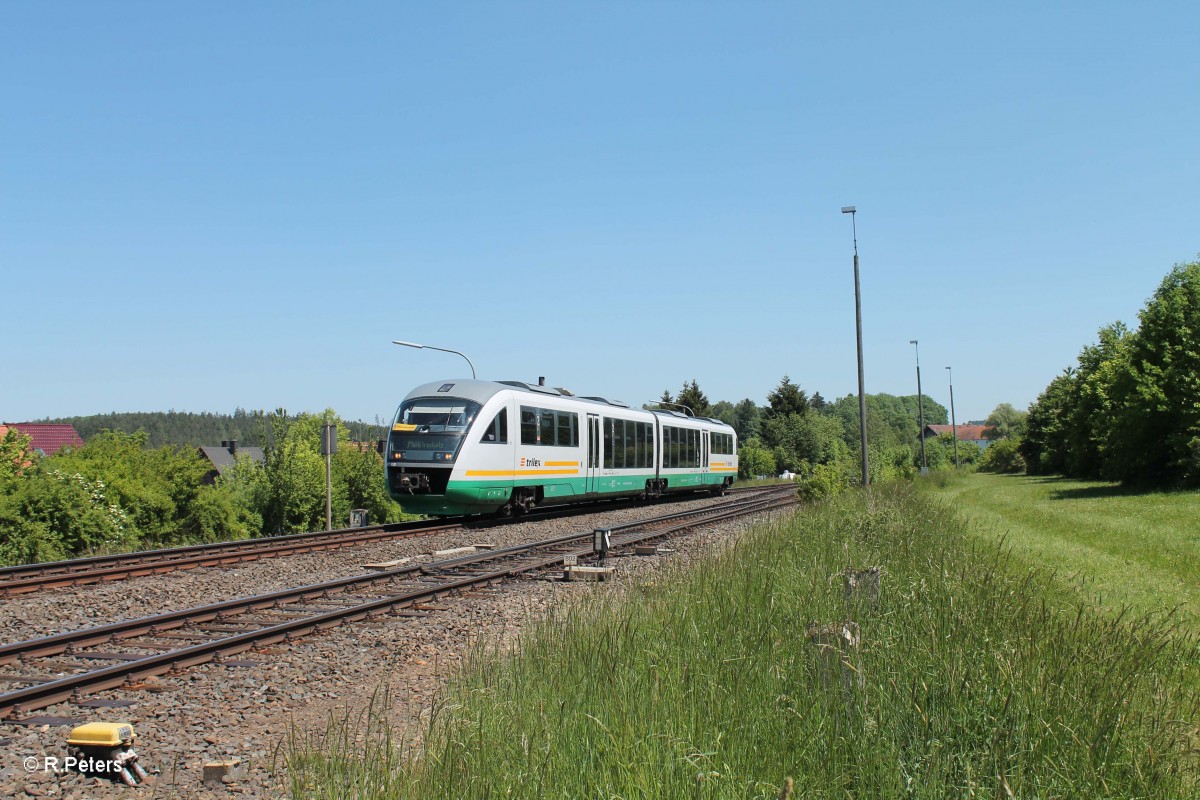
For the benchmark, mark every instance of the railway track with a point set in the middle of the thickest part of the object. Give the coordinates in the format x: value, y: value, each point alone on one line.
x: 141, y: 648
x: 96, y: 569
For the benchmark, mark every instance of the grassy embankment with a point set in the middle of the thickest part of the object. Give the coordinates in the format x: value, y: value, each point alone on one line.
x: 1118, y: 548
x: 974, y: 677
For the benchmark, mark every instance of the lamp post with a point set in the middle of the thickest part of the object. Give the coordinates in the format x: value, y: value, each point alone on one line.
x: 953, y: 423
x: 442, y: 349
x: 920, y: 407
x: 688, y: 409
x: 862, y: 397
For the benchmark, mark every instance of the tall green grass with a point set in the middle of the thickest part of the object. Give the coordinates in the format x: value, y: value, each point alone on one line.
x: 974, y: 679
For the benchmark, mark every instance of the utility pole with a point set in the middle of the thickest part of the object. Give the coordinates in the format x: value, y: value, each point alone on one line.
x: 862, y: 397
x: 953, y: 423
x: 920, y: 408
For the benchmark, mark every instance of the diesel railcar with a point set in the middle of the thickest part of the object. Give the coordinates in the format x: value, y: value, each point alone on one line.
x: 484, y: 447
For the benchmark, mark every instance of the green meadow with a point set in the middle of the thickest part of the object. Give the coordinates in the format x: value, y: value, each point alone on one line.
x: 971, y: 675
x: 1118, y: 548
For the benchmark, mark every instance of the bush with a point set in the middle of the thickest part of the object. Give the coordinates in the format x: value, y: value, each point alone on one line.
x: 1003, y: 456
x: 754, y: 459
x: 824, y: 480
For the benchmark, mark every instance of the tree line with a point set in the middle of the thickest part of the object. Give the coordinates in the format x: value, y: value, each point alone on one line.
x: 195, y: 429
x: 1129, y: 410
x: 119, y: 493
x: 820, y: 442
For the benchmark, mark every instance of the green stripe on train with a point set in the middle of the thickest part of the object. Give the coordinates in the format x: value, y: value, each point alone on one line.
x: 482, y: 496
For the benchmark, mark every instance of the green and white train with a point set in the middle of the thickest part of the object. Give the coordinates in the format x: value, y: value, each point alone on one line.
x: 483, y: 447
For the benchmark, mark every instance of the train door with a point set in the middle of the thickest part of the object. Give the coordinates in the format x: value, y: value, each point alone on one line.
x: 593, y: 453
x: 704, y: 460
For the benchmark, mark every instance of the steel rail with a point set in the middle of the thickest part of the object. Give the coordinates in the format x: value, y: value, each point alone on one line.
x: 167, y: 553
x: 72, y: 686
x: 26, y: 578
x: 266, y: 549
x: 86, y: 637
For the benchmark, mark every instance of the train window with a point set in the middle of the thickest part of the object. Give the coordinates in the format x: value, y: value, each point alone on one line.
x: 631, y: 445
x: 437, y: 414
x: 497, y: 431
x: 568, y: 434
x: 619, y: 444
x: 549, y: 428
x: 623, y: 428
x: 628, y: 444
x: 607, y: 425
x: 680, y: 448
x: 528, y: 425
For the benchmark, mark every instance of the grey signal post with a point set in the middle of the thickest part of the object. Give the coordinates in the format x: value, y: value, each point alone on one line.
x: 601, y: 541
x: 920, y: 408
x: 862, y: 397
x: 328, y: 448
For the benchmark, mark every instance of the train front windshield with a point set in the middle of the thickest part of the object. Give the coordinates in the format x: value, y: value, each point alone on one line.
x: 430, y: 429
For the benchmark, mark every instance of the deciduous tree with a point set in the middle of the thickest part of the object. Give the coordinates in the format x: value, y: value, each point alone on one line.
x: 1155, y: 436
x: 1005, y: 422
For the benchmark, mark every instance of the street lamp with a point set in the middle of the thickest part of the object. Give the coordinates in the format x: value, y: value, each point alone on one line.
x: 953, y: 423
x: 431, y: 347
x: 862, y: 397
x: 920, y: 407
x: 688, y: 409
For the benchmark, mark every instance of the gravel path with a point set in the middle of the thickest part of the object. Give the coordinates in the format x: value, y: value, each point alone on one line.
x: 216, y: 711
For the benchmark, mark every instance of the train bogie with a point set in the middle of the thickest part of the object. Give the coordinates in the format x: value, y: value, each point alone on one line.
x: 467, y: 447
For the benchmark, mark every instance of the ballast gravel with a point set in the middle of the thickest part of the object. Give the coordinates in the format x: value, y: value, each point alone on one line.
x: 249, y: 712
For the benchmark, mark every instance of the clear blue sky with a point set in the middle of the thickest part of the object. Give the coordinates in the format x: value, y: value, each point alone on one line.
x: 212, y: 205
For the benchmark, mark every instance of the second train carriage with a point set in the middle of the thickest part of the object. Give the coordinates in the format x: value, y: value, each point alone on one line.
x: 472, y: 447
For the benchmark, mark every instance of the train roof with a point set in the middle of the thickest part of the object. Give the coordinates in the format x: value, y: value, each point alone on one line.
x: 482, y: 391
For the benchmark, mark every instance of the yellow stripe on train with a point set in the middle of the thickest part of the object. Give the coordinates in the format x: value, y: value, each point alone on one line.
x: 514, y: 473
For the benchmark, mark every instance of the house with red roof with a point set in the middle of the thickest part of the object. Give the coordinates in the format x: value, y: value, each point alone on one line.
x: 966, y: 433
x: 46, y: 438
